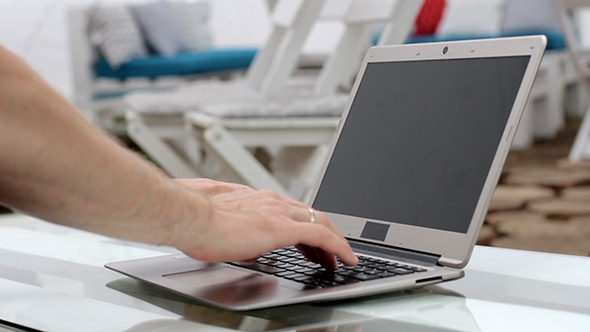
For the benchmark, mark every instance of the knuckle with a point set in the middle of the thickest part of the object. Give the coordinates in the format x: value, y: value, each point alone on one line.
x: 272, y: 194
x: 241, y: 186
x: 322, y: 216
x: 283, y: 206
x: 284, y: 219
x: 324, y: 232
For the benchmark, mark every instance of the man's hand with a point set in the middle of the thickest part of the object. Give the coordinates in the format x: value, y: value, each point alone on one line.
x: 211, y: 187
x: 244, y: 223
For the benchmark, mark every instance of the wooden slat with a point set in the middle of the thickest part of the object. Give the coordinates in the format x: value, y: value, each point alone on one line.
x: 515, y: 197
x: 541, y: 227
x: 577, y: 194
x: 486, y: 235
x: 498, y: 218
x: 555, y: 244
x: 548, y: 177
x: 563, y: 208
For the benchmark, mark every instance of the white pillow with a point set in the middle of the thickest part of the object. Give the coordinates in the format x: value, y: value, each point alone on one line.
x: 527, y: 16
x: 160, y: 27
x: 471, y: 17
x: 114, y: 31
x: 193, y: 17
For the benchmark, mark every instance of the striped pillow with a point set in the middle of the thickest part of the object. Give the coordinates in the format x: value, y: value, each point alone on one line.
x: 115, y: 33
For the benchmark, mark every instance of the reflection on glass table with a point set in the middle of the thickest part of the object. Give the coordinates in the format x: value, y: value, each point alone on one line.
x: 429, y: 309
x: 52, y: 279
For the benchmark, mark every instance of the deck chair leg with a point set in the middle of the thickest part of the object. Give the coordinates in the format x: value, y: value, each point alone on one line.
x: 299, y: 167
x: 523, y: 138
x: 576, y: 97
x: 250, y: 323
x: 549, y: 117
x: 240, y: 160
x: 154, y: 145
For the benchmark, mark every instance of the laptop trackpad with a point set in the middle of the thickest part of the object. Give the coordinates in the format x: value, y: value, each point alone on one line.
x: 229, y: 286
x: 218, y: 274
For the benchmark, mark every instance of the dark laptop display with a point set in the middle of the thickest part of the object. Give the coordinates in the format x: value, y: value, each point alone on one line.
x: 417, y: 150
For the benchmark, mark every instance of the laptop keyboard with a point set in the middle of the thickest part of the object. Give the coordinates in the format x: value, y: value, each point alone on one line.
x: 289, y: 263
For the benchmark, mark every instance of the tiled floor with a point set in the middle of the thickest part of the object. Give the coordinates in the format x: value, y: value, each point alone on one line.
x: 542, y: 202
x: 541, y: 208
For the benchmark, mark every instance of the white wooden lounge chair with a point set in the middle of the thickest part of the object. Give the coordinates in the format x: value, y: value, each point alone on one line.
x: 229, y: 130
x: 568, y: 12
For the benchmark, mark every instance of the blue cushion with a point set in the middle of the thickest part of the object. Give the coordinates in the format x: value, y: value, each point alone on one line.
x: 208, y: 61
x: 555, y: 40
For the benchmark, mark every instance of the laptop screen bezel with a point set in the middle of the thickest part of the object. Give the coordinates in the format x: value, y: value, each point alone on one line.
x: 453, y: 248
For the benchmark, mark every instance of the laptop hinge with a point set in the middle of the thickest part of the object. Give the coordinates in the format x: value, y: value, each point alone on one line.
x: 400, y: 254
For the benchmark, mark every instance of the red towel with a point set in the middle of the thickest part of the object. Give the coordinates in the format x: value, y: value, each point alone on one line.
x: 429, y: 17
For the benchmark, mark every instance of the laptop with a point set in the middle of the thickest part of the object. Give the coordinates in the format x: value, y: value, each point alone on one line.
x: 408, y: 178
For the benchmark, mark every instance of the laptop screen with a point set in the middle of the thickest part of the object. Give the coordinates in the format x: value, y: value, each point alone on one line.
x: 420, y: 139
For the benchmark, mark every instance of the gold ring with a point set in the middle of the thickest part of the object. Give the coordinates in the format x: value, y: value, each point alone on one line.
x: 312, y: 218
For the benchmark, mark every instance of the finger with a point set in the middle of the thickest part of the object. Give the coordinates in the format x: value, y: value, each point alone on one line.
x: 249, y: 261
x: 321, y: 237
x: 323, y: 219
x: 308, y: 252
x: 301, y: 214
x: 326, y: 260
x: 304, y: 215
x: 319, y: 256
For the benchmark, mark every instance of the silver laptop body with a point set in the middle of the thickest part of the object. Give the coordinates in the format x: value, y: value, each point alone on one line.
x: 409, y: 177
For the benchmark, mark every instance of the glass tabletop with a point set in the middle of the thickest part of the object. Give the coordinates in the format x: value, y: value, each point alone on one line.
x: 52, y: 279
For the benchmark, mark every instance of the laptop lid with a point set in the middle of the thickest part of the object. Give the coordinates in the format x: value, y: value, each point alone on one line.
x: 421, y: 145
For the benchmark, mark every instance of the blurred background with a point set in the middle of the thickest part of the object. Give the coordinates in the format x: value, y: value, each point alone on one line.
x: 37, y: 30
x: 272, y: 77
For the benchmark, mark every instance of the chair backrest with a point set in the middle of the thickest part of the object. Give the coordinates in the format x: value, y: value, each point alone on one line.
x: 292, y: 21
x: 82, y: 53
x: 398, y: 16
x: 568, y: 12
